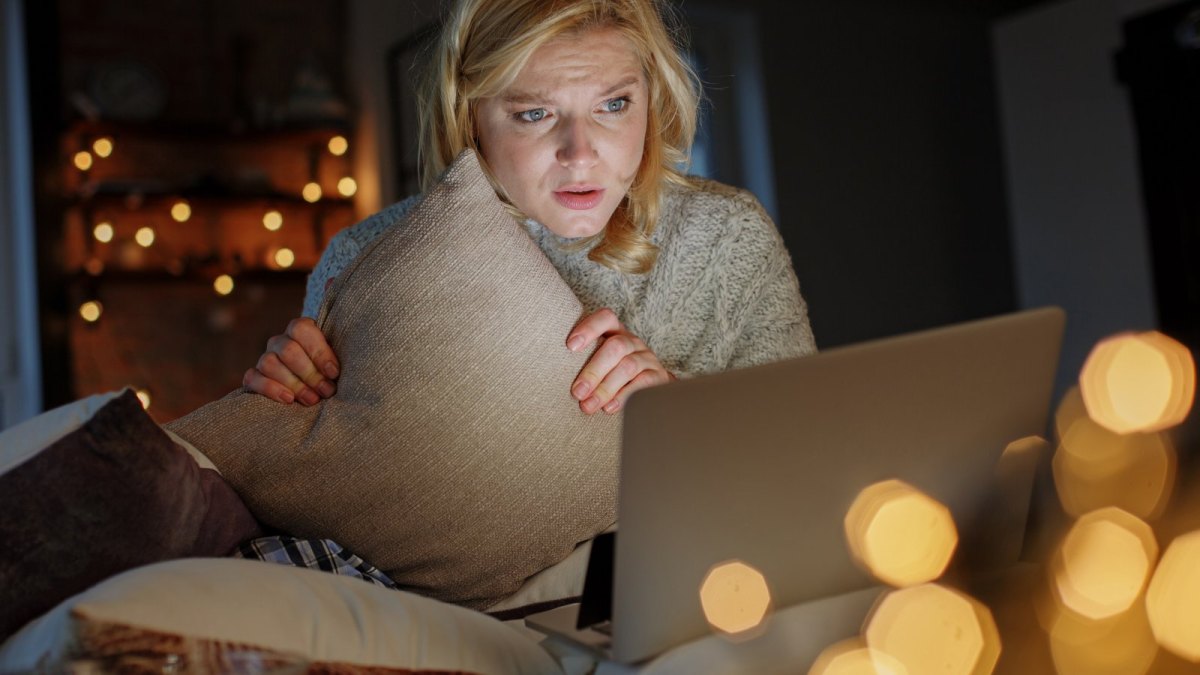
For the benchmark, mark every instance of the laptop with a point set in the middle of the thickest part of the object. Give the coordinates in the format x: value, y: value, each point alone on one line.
x: 761, y: 465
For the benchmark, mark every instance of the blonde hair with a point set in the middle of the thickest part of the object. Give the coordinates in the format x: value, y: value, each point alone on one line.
x: 482, y: 48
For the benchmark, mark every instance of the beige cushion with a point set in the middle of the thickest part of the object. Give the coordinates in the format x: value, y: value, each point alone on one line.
x: 452, y: 456
x: 217, y: 614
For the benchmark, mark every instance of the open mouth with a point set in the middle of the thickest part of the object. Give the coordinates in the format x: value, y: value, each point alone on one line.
x: 579, y: 199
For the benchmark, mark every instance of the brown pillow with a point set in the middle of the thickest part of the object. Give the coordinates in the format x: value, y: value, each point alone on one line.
x: 452, y: 456
x: 112, y: 494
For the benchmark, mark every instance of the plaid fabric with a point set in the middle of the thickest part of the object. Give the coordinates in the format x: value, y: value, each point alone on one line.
x: 316, y: 554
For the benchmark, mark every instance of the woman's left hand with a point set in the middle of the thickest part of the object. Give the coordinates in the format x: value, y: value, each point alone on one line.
x: 621, y: 365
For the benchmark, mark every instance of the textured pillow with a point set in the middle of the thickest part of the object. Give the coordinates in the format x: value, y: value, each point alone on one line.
x: 452, y: 456
x: 228, y: 615
x: 96, y: 488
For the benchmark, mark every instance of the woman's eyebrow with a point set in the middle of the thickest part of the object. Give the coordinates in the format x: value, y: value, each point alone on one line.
x: 533, y: 97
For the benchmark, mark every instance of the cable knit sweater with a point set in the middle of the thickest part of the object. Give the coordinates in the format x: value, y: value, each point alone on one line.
x: 722, y: 294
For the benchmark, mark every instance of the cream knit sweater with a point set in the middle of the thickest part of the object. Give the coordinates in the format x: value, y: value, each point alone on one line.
x: 722, y: 295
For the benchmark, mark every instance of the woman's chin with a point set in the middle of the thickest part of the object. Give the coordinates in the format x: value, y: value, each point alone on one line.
x: 576, y: 226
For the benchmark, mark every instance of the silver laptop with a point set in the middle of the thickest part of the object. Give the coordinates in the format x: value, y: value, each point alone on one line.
x: 761, y: 465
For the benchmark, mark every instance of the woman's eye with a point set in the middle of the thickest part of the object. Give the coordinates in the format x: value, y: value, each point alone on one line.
x: 616, y: 105
x: 535, y: 115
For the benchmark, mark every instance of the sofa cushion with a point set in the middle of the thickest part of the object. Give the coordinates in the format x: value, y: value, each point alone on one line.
x: 452, y: 456
x: 95, y: 488
x: 213, y: 615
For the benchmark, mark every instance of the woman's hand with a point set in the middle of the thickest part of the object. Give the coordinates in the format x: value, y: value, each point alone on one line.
x: 297, y: 366
x: 621, y: 365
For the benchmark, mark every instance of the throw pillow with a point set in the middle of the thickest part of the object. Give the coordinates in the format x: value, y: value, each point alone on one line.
x: 230, y: 615
x: 95, y: 488
x: 452, y: 456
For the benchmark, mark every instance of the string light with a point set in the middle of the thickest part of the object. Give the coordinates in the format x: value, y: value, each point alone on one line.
x: 144, y: 237
x: 83, y: 160
x: 899, y: 534
x: 338, y: 145
x: 144, y: 396
x: 91, y: 311
x: 103, y: 146
x: 223, y: 285
x: 181, y: 211
x: 103, y: 232
x: 347, y: 186
x: 735, y: 597
x: 311, y: 193
x: 273, y: 220
x: 284, y: 257
x: 94, y: 266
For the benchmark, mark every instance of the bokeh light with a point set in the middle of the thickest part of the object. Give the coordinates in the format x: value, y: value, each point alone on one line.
x: 103, y: 232
x: 338, y: 145
x: 735, y: 597
x: 933, y: 629
x: 94, y: 266
x: 1120, y: 645
x: 223, y: 284
x: 854, y: 657
x: 144, y: 237
x: 1138, y: 382
x: 83, y: 160
x: 1094, y: 468
x: 347, y: 187
x: 91, y: 311
x: 311, y: 193
x: 284, y: 257
x: 1173, y: 598
x: 1104, y: 563
x: 103, y: 146
x: 273, y: 220
x: 899, y: 534
x: 144, y: 396
x: 181, y: 211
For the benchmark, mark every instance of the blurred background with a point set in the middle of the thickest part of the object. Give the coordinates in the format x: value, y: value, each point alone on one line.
x: 172, y: 170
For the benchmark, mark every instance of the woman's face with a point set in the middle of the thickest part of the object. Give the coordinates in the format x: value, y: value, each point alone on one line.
x: 565, y: 140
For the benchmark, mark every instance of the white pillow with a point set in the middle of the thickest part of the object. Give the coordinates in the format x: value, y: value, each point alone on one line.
x: 225, y: 609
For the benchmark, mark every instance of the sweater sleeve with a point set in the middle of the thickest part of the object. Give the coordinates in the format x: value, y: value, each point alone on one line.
x: 345, y: 247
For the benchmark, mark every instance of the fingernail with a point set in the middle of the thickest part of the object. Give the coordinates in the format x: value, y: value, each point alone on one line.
x: 309, y: 397
x: 331, y: 370
x: 288, y: 398
x: 326, y: 389
x: 575, y: 343
x: 590, y: 405
x: 581, y: 391
x: 613, y: 406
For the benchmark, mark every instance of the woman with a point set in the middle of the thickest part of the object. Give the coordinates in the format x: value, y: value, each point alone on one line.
x: 581, y: 111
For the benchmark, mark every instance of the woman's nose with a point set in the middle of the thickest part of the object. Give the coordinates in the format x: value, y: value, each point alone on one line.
x: 576, y: 149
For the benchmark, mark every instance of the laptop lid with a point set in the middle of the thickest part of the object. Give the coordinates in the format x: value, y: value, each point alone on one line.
x: 760, y: 465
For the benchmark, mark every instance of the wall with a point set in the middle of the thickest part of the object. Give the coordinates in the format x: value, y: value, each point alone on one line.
x: 1078, y: 225
x: 20, y: 377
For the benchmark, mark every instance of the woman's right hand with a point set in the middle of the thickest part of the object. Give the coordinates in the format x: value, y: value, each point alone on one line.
x: 297, y: 366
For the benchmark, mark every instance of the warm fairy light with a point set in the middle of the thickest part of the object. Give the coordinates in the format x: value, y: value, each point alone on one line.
x: 1174, y: 595
x: 91, y: 311
x: 311, y: 193
x: 144, y: 237
x: 181, y: 211
x: 102, y: 146
x: 338, y: 145
x: 144, y: 396
x: 932, y: 629
x: 94, y: 266
x: 1138, y: 382
x: 273, y: 220
x: 1095, y: 468
x: 1104, y: 563
x: 735, y: 597
x: 223, y: 284
x: 83, y: 160
x: 284, y: 257
x: 347, y: 187
x: 899, y: 534
x: 103, y: 232
x: 854, y: 657
x: 1120, y: 645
